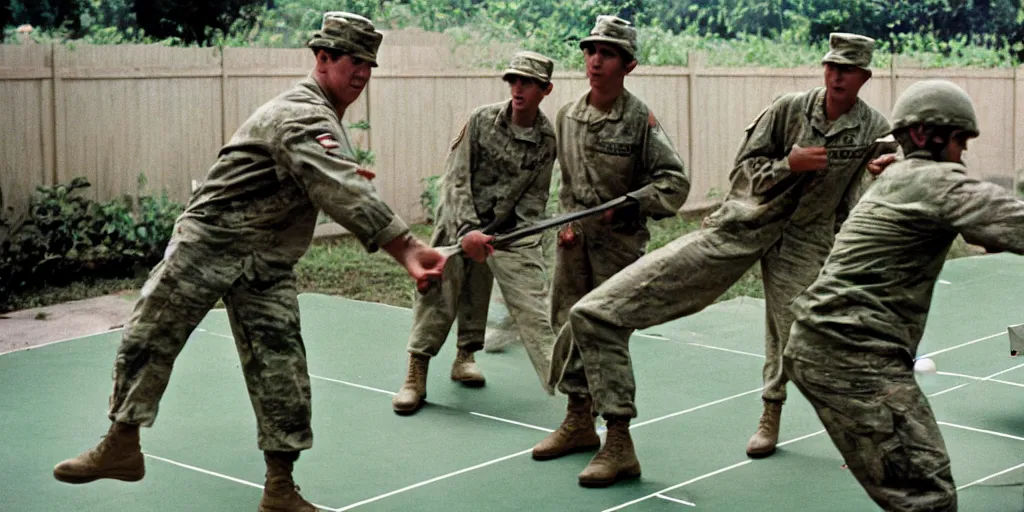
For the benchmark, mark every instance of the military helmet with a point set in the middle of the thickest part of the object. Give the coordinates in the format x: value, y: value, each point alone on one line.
x: 937, y: 103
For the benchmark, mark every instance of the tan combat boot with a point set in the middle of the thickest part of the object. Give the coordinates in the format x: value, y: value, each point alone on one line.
x: 410, y: 398
x: 280, y: 494
x: 762, y: 443
x: 465, y: 370
x: 575, y: 434
x: 616, y: 460
x: 118, y: 456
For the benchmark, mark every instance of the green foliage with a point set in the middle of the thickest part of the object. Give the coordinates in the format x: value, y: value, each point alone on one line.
x: 775, y: 33
x: 429, y: 197
x: 66, y: 235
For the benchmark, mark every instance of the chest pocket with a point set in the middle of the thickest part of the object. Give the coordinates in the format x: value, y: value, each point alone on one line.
x: 612, y: 157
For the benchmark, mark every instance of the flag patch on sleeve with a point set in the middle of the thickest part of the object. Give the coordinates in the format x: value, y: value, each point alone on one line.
x: 327, y: 141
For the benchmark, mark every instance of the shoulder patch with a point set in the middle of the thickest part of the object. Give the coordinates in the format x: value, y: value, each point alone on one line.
x: 327, y: 141
x: 458, y: 138
x: 651, y: 121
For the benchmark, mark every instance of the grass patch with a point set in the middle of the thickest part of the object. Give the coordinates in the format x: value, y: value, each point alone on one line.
x: 342, y: 267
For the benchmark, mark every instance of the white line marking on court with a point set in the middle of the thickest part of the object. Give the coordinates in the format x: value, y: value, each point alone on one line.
x: 951, y: 374
x: 712, y: 347
x: 206, y: 471
x: 706, y: 475
x: 980, y: 480
x: 527, y: 425
x: 432, y: 480
x: 216, y: 334
x: 801, y: 438
x: 943, y: 281
x: 353, y: 384
x: 980, y: 379
x: 691, y: 409
x: 674, y: 487
x: 214, y: 473
x: 528, y: 450
x: 973, y: 377
x: 1008, y: 370
x: 740, y: 352
x: 681, y: 502
x: 944, y: 391
x: 33, y: 347
x: 981, y: 430
x: 963, y: 345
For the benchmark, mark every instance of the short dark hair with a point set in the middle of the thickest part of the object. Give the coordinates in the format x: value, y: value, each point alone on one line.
x: 623, y: 54
x: 509, y: 77
x: 333, y: 53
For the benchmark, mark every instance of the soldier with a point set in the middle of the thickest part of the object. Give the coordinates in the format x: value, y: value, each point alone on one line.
x: 800, y: 163
x: 610, y: 145
x: 858, y: 326
x: 496, y: 177
x: 239, y: 238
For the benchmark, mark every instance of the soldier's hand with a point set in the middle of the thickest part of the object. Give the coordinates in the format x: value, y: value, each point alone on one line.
x: 567, y: 236
x: 425, y: 264
x: 808, y: 159
x: 879, y: 164
x: 475, y: 245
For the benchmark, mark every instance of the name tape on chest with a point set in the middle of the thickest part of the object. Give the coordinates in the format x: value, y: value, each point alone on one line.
x: 614, y: 148
x: 843, y: 153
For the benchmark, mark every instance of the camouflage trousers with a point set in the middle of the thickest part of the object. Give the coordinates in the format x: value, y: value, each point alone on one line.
x: 882, y: 424
x: 465, y: 296
x: 677, y: 280
x: 264, y: 313
x: 597, y: 254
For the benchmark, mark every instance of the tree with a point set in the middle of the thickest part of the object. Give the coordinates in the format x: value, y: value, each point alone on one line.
x: 190, y: 20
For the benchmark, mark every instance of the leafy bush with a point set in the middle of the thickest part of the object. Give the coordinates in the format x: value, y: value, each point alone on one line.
x: 65, y: 235
x: 775, y: 33
x: 429, y: 198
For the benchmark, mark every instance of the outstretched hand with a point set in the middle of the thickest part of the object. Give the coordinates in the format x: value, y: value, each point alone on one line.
x: 475, y: 245
x: 879, y: 164
x: 423, y: 263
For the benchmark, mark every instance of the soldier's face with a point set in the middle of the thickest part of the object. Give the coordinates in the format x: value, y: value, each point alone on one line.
x: 526, y: 93
x: 605, y: 65
x: 844, y: 81
x: 343, y: 78
x: 955, y: 147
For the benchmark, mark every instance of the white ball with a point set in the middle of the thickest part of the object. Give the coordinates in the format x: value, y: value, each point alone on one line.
x: 924, y: 365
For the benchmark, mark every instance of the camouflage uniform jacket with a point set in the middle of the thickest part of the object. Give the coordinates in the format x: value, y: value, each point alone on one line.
x: 622, y: 152
x: 495, y: 179
x: 289, y: 160
x: 873, y: 294
x: 766, y: 194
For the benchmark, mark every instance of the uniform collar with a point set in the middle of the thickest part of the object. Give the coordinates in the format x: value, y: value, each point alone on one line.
x: 817, y: 117
x: 309, y: 83
x: 541, y: 126
x: 579, y: 109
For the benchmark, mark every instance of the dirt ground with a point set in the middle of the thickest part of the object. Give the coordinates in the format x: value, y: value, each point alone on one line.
x: 29, y: 328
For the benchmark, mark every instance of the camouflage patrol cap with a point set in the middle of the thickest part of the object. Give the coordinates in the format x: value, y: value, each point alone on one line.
x: 348, y: 33
x: 613, y: 30
x: 936, y: 103
x: 531, y: 65
x: 849, y: 49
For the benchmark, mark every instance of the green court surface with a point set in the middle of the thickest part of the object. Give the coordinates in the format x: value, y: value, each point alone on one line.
x: 468, y: 450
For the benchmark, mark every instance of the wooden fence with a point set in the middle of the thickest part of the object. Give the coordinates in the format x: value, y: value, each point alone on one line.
x: 110, y: 113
